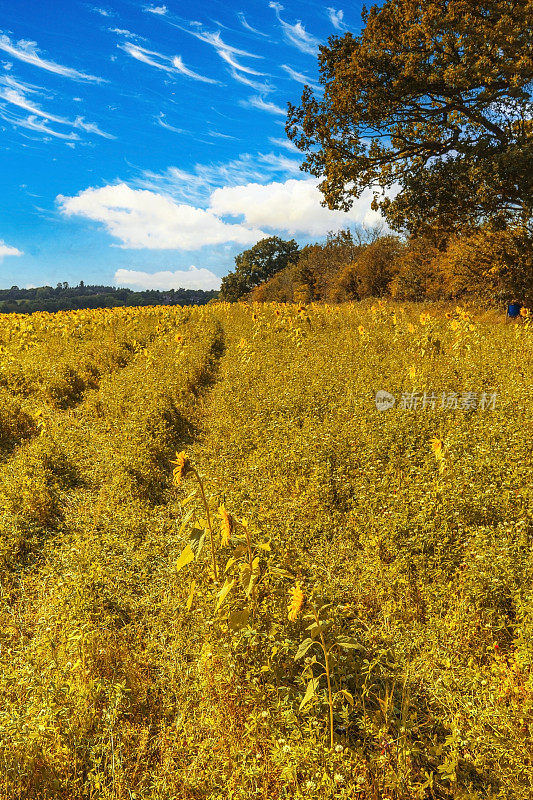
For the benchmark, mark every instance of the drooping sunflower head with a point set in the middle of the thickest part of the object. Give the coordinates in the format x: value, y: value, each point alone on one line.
x: 182, y: 468
x: 226, y: 524
x: 296, y: 601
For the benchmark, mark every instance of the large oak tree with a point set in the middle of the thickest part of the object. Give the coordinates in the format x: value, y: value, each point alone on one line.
x: 432, y: 100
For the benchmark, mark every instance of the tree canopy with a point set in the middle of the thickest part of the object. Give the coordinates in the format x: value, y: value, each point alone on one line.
x: 432, y: 104
x: 256, y: 265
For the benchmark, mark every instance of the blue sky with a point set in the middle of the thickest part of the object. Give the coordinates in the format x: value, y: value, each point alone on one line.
x: 143, y: 145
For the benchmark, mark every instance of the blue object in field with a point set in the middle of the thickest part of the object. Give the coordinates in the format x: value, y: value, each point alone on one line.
x: 513, y: 310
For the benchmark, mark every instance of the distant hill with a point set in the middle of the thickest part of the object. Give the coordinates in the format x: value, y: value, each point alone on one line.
x: 68, y: 298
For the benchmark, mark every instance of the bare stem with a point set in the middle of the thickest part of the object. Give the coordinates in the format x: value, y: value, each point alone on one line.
x: 328, y: 678
x: 209, y: 525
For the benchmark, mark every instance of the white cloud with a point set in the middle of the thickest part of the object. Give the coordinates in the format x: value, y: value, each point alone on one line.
x: 336, y: 18
x: 170, y: 64
x: 161, y: 121
x: 293, y: 207
x: 263, y: 105
x: 13, y: 93
x: 142, y: 219
x: 227, y: 53
x: 296, y: 34
x: 192, y: 278
x: 299, y: 77
x: 280, y: 163
x: 6, y: 250
x: 197, y: 185
x: 127, y: 34
x: 27, y: 52
x: 286, y: 143
x: 242, y: 19
x: 179, y: 66
x: 160, y: 10
x: 216, y: 41
x: 32, y: 123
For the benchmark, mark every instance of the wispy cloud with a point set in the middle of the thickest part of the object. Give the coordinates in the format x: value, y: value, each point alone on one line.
x: 228, y: 53
x: 296, y: 34
x: 196, y: 185
x: 127, y: 34
x: 299, y: 77
x: 103, y: 12
x: 170, y: 64
x: 286, y: 143
x: 336, y: 18
x: 91, y: 127
x: 217, y: 135
x: 180, y: 67
x: 263, y: 105
x: 159, y: 10
x: 280, y: 163
x: 245, y: 24
x: 192, y: 278
x: 27, y: 52
x: 13, y: 93
x: 6, y: 250
x: 164, y: 124
x: 33, y: 123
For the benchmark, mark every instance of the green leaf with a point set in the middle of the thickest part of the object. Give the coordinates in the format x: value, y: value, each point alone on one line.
x: 238, y: 620
x: 191, y: 595
x: 226, y: 589
x: 310, y: 692
x: 264, y: 546
x: 186, y: 519
x: 303, y: 648
x: 230, y: 563
x: 314, y: 630
x: 196, y: 540
x: 347, y: 696
x: 348, y: 643
x: 188, y: 500
x: 185, y: 558
x: 281, y: 572
x: 249, y: 576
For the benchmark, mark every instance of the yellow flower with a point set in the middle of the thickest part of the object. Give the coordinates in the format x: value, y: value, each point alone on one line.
x: 524, y: 312
x: 454, y: 324
x: 296, y: 602
x: 361, y: 330
x: 436, y: 445
x: 412, y: 372
x: 183, y: 467
x: 226, y: 526
x: 438, y: 449
x: 411, y: 328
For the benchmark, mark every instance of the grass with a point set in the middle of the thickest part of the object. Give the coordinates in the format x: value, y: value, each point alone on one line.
x: 132, y: 666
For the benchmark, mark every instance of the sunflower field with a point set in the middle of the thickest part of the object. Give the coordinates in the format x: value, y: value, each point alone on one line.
x: 266, y: 551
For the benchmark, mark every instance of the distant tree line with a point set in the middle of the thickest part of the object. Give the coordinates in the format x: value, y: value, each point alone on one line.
x: 68, y: 298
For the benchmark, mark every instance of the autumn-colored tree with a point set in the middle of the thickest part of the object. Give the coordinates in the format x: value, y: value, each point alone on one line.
x: 432, y: 104
x: 496, y: 264
x: 256, y: 265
